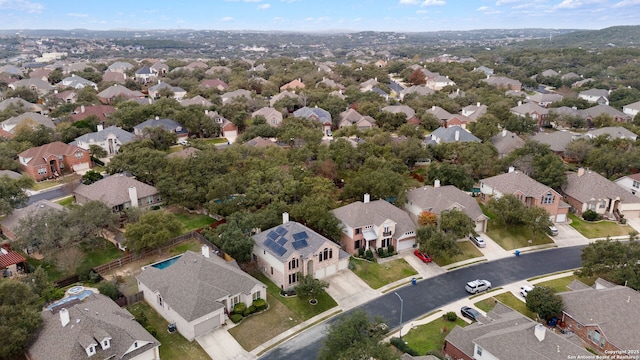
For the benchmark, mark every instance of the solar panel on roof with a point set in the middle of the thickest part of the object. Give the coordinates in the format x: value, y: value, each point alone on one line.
x: 281, y: 231
x: 299, y: 244
x: 282, y: 240
x: 300, y: 236
x: 281, y: 251
x: 275, y: 247
x: 272, y: 235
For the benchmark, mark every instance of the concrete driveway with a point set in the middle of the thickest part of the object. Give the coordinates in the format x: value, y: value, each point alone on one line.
x: 348, y: 290
x: 568, y: 236
x: 219, y: 344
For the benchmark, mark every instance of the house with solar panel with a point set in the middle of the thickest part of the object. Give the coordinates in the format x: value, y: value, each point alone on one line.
x: 289, y: 251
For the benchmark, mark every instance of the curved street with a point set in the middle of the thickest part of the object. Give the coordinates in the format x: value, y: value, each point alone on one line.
x: 435, y: 292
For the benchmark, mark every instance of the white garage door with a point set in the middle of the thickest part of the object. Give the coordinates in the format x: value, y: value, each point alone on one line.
x: 405, y: 244
x: 320, y: 274
x: 231, y: 136
x: 206, y: 326
x: 330, y: 270
x: 479, y: 226
x: 631, y: 214
x: 561, y: 218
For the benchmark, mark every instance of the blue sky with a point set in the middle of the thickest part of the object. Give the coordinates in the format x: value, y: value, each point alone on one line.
x: 314, y: 15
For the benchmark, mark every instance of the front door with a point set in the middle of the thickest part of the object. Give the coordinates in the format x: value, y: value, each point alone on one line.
x: 310, y: 267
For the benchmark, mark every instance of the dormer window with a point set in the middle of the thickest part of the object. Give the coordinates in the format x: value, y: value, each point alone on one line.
x: 91, y: 350
x: 105, y: 344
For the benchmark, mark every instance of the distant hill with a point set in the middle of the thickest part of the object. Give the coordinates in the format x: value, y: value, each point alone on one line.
x: 615, y: 36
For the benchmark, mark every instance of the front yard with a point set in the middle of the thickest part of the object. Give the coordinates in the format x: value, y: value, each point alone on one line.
x: 377, y: 275
x: 469, y: 251
x: 598, y: 229
x: 430, y: 337
x: 560, y: 285
x: 515, y: 236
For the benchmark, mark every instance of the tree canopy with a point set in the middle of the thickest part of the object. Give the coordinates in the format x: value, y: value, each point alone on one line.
x: 153, y: 229
x: 543, y: 301
x: 19, y: 317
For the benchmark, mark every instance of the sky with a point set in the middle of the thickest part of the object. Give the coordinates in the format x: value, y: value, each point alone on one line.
x: 318, y: 15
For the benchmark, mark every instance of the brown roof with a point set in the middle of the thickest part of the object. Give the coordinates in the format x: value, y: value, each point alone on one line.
x: 101, y: 111
x: 114, y: 190
x: 10, y: 258
x: 590, y: 185
x: 512, y: 182
x: 442, y: 198
x: 38, y: 155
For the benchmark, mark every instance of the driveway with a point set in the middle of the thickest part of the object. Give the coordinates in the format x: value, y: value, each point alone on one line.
x: 568, y: 236
x: 348, y: 290
x: 219, y: 344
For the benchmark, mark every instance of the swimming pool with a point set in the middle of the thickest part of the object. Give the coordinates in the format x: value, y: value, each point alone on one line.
x: 166, y: 263
x: 79, y: 293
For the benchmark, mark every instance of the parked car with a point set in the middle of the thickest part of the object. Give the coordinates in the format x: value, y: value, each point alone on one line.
x: 470, y: 313
x: 478, y: 241
x: 553, y: 231
x: 524, y: 290
x: 476, y: 286
x: 422, y: 256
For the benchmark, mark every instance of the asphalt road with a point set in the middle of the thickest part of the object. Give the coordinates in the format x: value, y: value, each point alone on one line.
x: 52, y: 194
x: 433, y: 293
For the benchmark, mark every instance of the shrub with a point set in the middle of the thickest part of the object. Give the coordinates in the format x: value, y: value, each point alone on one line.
x: 361, y: 252
x: 250, y: 310
x: 451, y: 316
x: 236, y: 318
x: 151, y: 330
x: 391, y: 249
x: 239, y: 308
x: 108, y: 288
x: 380, y: 252
x: 52, y: 294
x: 590, y: 215
x: 260, y: 304
x: 400, y: 344
x: 385, y: 254
x: 369, y: 254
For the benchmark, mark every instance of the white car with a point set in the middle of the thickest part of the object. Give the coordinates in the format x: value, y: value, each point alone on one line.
x: 476, y: 286
x: 524, y: 290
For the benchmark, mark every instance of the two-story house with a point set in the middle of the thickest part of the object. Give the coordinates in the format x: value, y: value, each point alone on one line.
x: 529, y: 191
x: 286, y: 252
x: 109, y: 139
x: 53, y: 160
x: 370, y: 225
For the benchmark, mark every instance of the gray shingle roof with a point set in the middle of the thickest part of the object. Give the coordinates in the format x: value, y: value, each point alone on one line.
x: 512, y: 182
x: 307, y: 112
x: 12, y: 221
x: 193, y: 285
x: 11, y: 174
x: 36, y: 118
x: 96, y: 316
x: 614, y: 132
x: 404, y: 109
x: 167, y: 124
x: 557, y: 140
x: 114, y: 190
x: 603, y: 109
x: 616, y: 310
x: 439, y: 199
x: 122, y: 135
x: 360, y: 214
x: 591, y: 185
x: 447, y: 135
x: 506, y: 141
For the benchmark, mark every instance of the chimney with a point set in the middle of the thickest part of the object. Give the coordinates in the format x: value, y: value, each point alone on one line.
x: 133, y: 196
x: 82, y: 109
x: 285, y: 217
x: 367, y: 198
x: 206, y: 112
x: 581, y: 171
x: 100, y: 127
x: 64, y: 317
x: 519, y: 102
x: 375, y: 78
x: 205, y: 251
x: 539, y: 331
x: 511, y: 169
x: 433, y: 108
x: 504, y: 132
x: 478, y: 104
x: 436, y: 183
x: 157, y: 117
x: 457, y: 135
x: 458, y: 91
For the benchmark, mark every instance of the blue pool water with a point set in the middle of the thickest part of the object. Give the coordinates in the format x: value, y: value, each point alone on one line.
x: 166, y: 263
x: 79, y: 296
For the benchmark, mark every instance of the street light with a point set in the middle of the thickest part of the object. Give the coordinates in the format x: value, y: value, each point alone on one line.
x: 401, y: 306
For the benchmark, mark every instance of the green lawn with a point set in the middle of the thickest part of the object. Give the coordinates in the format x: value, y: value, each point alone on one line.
x: 515, y: 236
x: 430, y: 337
x: 192, y: 222
x: 469, y: 251
x: 67, y: 202
x: 516, y: 304
x: 599, y: 229
x: 560, y: 285
x: 378, y: 275
x: 45, y: 184
x: 53, y: 273
x: 173, y: 346
x: 193, y: 245
x: 486, y: 305
x: 94, y: 256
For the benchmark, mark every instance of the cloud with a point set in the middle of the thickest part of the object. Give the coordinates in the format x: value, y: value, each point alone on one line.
x: 482, y: 8
x: 247, y: 1
x: 502, y: 2
x: 568, y: 4
x: 227, y: 19
x: 433, y: 2
x: 625, y: 3
x: 23, y: 5
x: 408, y: 2
x: 288, y: 1
x: 264, y: 7
x: 421, y: 12
x: 77, y: 15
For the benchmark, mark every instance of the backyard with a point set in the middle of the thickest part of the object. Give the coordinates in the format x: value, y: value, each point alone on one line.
x: 469, y: 251
x: 599, y: 229
x: 377, y: 275
x: 430, y: 337
x: 191, y: 222
x: 283, y: 314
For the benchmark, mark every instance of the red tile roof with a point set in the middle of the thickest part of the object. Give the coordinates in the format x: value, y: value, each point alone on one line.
x: 11, y: 258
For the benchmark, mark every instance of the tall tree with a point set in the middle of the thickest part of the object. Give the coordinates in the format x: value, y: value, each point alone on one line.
x: 508, y: 208
x: 309, y: 287
x: 154, y: 229
x: 613, y: 260
x: 543, y: 301
x: 435, y: 242
x: 20, y: 314
x: 456, y: 223
x: 12, y: 193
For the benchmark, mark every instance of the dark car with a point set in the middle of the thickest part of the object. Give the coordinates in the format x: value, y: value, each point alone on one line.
x: 470, y: 313
x: 422, y: 256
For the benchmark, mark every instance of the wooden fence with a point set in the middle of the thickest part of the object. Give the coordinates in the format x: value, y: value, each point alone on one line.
x: 128, y: 300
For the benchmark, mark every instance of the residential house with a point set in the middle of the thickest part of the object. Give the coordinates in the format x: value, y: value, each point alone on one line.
x: 11, y: 70
x: 160, y: 68
x: 527, y: 190
x: 196, y: 100
x: 631, y: 183
x: 107, y: 95
x: 259, y: 68
x: 102, y: 112
x: 506, y: 335
x: 450, y: 134
x: 38, y: 85
x: 487, y: 71
x: 505, y: 142
x: 328, y: 83
x: 502, y: 82
x: 66, y: 97
x: 218, y: 70
x: 109, y: 139
x: 273, y: 116
x: 473, y: 112
x: 550, y: 73
x: 370, y: 225
x: 282, y: 95
x: 88, y: 327
x: 369, y: 84
x: 53, y: 160
x: 28, y: 119
x: 237, y: 94
x: 380, y: 92
x: 419, y: 90
x: 544, y: 100
x: 214, y: 84
x: 114, y: 76
x: 77, y: 82
x: 351, y: 117
x: 613, y: 132
x: 322, y: 116
x: 440, y: 82
x: 437, y: 199
x: 533, y: 110
x: 196, y: 65
x: 457, y: 120
x: 178, y: 92
x: 581, y: 83
x: 588, y: 190
x: 606, y: 317
x: 260, y: 142
x: 145, y: 74
x: 597, y: 96
x: 439, y: 113
x: 11, y: 262
x: 400, y: 109
x: 20, y: 105
x: 166, y: 124
x: 286, y: 252
x: 557, y: 140
x: 228, y: 129
x: 198, y: 291
x: 569, y: 76
x: 292, y: 85
x: 120, y: 66
x: 9, y: 225
x: 632, y: 109
x: 602, y: 109
x: 118, y: 192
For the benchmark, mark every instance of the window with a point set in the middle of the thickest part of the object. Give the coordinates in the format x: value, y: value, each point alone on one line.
x: 256, y: 296
x: 356, y: 244
x: 79, y: 155
x: 150, y: 199
x: 294, y: 263
x: 602, y: 204
x: 358, y: 231
x: 326, y: 254
x: 595, y: 337
x: 42, y: 171
x: 293, y: 278
x: 591, y: 206
x: 479, y: 350
x: 235, y: 300
x: 548, y: 199
x: 272, y: 270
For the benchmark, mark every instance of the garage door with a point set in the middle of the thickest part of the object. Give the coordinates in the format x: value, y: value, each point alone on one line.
x: 631, y: 214
x: 330, y: 270
x: 405, y: 244
x: 320, y: 274
x: 480, y: 226
x: 561, y: 218
x: 206, y: 326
